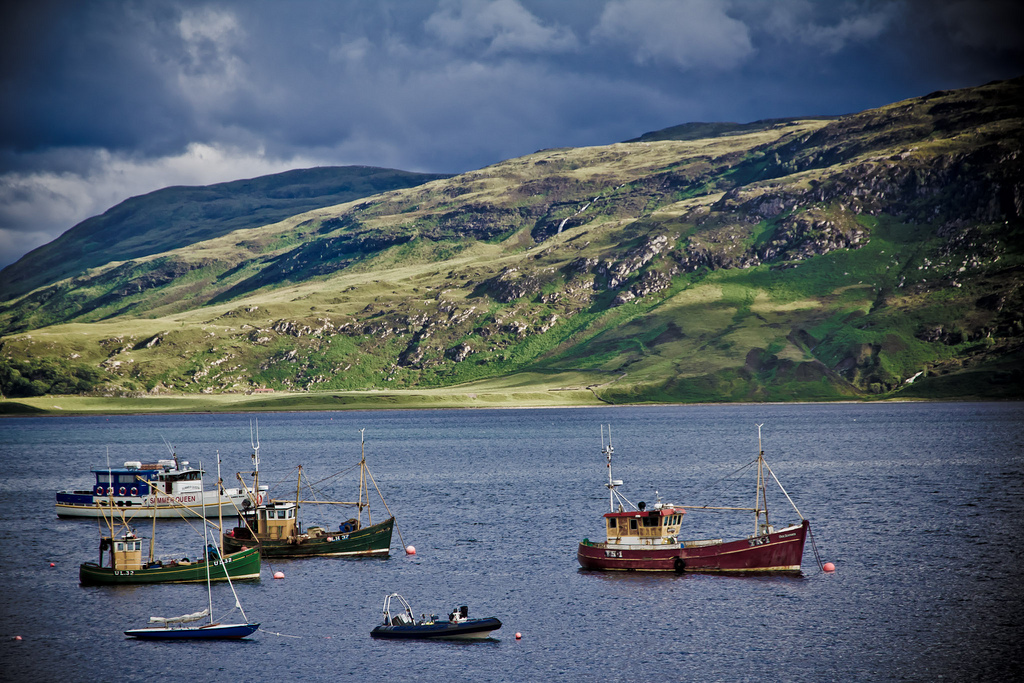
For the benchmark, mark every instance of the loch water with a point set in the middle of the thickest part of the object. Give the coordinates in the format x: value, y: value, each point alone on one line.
x: 919, y: 506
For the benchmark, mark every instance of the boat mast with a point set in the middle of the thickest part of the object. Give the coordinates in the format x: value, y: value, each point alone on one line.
x: 110, y: 506
x: 298, y: 488
x: 363, y: 485
x: 608, y: 450
x: 206, y: 545
x: 255, y: 441
x: 152, y: 536
x: 220, y: 512
x: 761, y: 495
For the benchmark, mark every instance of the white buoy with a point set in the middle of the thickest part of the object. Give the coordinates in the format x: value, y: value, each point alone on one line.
x: 410, y: 550
x: 278, y: 575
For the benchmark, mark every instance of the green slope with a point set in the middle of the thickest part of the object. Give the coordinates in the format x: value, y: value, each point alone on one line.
x: 876, y: 255
x: 175, y: 217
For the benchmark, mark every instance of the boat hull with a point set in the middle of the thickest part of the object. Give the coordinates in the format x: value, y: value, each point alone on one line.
x: 780, y: 551
x: 209, y: 632
x: 188, y: 505
x: 472, y: 629
x: 240, y: 566
x: 370, y: 541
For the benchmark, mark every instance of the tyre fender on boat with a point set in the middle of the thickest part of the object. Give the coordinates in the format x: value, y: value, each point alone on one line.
x: 680, y: 564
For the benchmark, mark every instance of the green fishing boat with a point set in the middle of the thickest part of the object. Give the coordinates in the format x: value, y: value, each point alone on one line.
x: 126, y: 567
x: 273, y: 525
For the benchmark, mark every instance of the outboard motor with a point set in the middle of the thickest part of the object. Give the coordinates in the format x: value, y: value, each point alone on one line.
x: 464, y: 611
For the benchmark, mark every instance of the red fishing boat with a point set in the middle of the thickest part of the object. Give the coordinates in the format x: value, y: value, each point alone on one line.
x: 646, y: 538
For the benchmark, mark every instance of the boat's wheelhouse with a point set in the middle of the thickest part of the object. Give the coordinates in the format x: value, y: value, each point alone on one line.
x: 658, y: 526
x: 276, y: 520
x: 180, y: 480
x: 125, y: 552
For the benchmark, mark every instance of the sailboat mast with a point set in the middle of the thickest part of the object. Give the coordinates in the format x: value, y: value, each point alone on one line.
x: 152, y: 536
x: 209, y: 591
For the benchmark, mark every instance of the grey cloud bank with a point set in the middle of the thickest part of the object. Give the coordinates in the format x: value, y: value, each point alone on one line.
x: 106, y: 100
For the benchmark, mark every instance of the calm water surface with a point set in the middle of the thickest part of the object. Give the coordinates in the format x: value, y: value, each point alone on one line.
x: 919, y: 506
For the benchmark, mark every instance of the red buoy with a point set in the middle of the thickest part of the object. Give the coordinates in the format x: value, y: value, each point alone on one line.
x: 278, y: 575
x: 518, y: 635
x: 410, y: 550
x: 829, y: 567
x: 53, y: 564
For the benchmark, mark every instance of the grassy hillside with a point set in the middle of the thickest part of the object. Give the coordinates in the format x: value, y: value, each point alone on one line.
x: 876, y: 255
x: 175, y: 217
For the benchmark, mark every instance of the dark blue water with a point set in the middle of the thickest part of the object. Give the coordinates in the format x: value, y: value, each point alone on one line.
x: 919, y: 506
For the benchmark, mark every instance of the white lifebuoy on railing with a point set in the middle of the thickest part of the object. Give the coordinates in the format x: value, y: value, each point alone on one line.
x: 122, y: 491
x: 99, y: 490
x: 135, y: 490
x: 259, y: 499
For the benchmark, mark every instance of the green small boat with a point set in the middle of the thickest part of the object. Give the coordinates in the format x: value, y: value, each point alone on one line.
x: 273, y: 525
x: 368, y: 541
x: 127, y: 568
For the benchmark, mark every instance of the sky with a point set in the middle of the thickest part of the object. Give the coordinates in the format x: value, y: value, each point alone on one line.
x: 108, y: 99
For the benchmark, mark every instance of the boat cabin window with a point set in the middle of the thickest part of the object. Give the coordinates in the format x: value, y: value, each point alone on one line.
x: 102, y: 478
x: 632, y: 524
x: 611, y: 522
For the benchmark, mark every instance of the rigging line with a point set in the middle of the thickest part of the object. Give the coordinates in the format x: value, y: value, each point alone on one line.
x: 280, y: 481
x: 283, y: 635
x: 731, y: 474
x: 386, y: 506
x: 336, y: 474
x: 783, y: 490
x: 814, y: 546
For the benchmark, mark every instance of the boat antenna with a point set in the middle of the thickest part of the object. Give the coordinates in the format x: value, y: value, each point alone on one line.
x: 612, y: 483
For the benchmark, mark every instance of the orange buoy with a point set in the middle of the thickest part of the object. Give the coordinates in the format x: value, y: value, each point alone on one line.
x: 829, y: 567
x: 278, y: 575
x: 410, y: 550
x: 519, y: 635
x: 17, y: 637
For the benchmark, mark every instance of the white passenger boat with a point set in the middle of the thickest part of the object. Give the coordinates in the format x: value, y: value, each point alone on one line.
x: 166, y: 489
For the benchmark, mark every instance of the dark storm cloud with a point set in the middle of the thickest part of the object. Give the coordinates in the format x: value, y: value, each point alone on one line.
x: 104, y: 100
